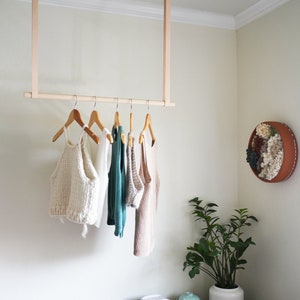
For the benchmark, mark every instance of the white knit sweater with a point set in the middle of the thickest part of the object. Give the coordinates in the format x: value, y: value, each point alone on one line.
x: 74, y: 184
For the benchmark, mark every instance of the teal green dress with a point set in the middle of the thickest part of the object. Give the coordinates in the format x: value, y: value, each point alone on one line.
x: 117, y: 184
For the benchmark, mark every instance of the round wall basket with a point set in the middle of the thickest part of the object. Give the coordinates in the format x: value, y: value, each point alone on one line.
x: 272, y: 151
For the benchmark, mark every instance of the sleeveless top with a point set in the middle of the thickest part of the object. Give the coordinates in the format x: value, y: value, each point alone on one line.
x: 102, y: 165
x: 117, y: 184
x: 74, y: 184
x: 134, y: 184
x: 146, y: 213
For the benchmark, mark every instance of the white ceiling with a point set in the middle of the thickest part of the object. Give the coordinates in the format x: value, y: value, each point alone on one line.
x: 228, y: 14
x: 227, y: 7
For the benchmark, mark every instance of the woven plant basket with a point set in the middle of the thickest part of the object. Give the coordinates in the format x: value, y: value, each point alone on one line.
x: 290, y: 152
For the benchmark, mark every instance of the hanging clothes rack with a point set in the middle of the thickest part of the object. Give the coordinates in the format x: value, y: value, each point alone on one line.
x: 35, y: 94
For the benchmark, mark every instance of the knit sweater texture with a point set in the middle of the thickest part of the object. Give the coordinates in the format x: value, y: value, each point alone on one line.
x: 74, y: 184
x: 134, y: 184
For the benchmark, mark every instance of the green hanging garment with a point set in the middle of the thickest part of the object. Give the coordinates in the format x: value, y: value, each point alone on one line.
x: 117, y: 184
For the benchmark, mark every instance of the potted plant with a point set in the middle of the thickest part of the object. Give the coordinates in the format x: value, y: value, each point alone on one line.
x: 220, y: 249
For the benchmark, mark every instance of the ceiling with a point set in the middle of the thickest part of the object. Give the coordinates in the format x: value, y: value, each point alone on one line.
x: 227, y: 7
x: 228, y: 14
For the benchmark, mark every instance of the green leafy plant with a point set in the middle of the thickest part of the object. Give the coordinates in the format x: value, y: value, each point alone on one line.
x: 221, y: 247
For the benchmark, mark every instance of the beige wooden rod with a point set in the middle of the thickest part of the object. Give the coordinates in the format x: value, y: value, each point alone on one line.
x: 116, y: 100
x: 35, y: 94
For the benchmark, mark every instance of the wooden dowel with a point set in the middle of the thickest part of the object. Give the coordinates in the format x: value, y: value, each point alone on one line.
x: 67, y: 97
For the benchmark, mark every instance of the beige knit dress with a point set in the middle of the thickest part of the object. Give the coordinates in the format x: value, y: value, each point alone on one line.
x: 146, y: 213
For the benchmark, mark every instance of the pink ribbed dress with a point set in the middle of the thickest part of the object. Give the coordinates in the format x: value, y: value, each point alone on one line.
x: 146, y: 213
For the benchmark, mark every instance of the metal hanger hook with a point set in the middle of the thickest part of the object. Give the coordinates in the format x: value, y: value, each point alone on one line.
x: 117, y: 107
x: 131, y: 104
x: 148, y: 101
x: 95, y: 101
x: 76, y: 101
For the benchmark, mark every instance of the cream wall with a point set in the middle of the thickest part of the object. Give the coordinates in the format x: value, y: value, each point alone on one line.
x: 92, y: 53
x: 269, y: 89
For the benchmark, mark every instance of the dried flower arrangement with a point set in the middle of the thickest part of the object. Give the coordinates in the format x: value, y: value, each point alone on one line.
x: 265, y: 154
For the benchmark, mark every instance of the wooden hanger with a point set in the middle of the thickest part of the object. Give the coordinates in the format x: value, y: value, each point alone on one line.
x: 94, y: 118
x: 117, y: 123
x: 75, y: 116
x: 146, y: 126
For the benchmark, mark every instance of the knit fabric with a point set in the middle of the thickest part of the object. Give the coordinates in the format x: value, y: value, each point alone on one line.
x: 74, y: 184
x: 134, y: 184
x: 146, y: 213
x: 102, y: 165
x: 117, y: 184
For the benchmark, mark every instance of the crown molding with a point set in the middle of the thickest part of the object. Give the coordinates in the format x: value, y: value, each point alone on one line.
x: 256, y: 11
x: 202, y: 18
x: 127, y: 7
x: 178, y: 14
x: 147, y: 10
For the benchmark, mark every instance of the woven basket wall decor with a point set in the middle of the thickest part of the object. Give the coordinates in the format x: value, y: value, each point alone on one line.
x: 272, y: 151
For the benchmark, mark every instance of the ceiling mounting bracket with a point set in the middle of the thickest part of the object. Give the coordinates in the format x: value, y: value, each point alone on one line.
x: 35, y: 94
